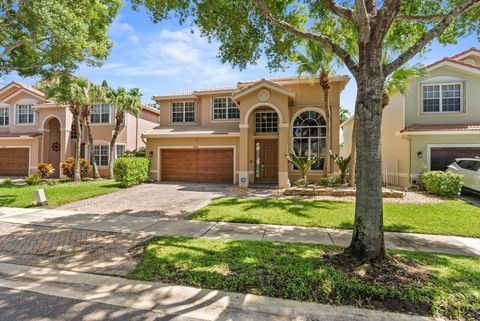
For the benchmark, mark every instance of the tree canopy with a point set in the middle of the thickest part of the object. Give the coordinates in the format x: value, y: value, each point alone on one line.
x: 38, y: 36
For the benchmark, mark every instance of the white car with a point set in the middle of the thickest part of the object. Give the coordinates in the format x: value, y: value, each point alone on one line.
x: 469, y: 168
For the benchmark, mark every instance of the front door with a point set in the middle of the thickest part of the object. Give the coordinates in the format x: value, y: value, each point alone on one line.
x: 266, y: 160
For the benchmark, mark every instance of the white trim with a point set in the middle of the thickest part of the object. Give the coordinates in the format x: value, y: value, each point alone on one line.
x: 263, y: 104
x: 22, y: 90
x: 263, y: 83
x: 212, y: 119
x: 195, y: 107
x: 470, y: 69
x: 115, y: 156
x: 159, y: 155
x: 466, y: 54
x: 25, y: 102
x: 243, y: 126
x: 283, y: 125
x: 430, y: 146
x: 189, y: 135
x: 422, y: 112
x: 29, y: 153
x: 441, y: 132
x: 110, y: 115
x: 8, y: 86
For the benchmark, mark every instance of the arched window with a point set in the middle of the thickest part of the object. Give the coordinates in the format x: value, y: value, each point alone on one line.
x: 310, y: 136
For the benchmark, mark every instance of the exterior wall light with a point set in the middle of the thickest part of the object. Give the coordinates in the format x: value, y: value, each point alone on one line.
x: 420, y: 154
x: 150, y: 154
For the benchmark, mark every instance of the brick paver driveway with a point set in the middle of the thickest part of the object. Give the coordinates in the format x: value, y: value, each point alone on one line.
x: 68, y: 249
x: 172, y: 201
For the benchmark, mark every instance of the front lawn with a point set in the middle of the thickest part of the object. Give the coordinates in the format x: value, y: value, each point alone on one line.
x: 61, y: 193
x: 450, y: 286
x: 448, y: 217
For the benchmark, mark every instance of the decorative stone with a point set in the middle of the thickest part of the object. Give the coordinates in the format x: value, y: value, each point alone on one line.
x: 263, y: 95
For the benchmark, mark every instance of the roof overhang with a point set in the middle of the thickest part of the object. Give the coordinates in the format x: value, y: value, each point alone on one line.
x: 263, y: 83
x: 348, y: 121
x: 187, y: 135
x: 440, y: 132
x: 456, y: 65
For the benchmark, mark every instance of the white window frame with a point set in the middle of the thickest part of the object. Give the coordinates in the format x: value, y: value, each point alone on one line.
x: 99, y: 163
x: 18, y: 106
x: 227, y: 107
x: 116, y: 149
x: 441, y: 111
x: 5, y: 116
x: 183, y: 112
x: 101, y: 122
x: 267, y: 132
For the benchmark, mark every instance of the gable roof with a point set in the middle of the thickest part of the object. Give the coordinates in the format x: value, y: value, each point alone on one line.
x: 263, y: 83
x: 21, y: 87
x: 454, y: 61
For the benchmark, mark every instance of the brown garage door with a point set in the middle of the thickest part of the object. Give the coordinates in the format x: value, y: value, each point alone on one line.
x: 441, y: 157
x: 197, y: 165
x: 14, y: 161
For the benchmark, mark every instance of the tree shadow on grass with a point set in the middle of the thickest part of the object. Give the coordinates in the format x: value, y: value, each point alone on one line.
x: 6, y: 200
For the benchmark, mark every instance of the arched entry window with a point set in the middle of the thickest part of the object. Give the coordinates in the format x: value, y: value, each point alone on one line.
x: 310, y: 136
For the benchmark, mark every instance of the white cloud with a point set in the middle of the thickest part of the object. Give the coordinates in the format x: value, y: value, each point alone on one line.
x: 134, y: 39
x: 119, y: 28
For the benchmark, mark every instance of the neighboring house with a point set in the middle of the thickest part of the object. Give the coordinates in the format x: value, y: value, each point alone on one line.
x: 436, y: 121
x: 242, y: 134
x: 33, y: 130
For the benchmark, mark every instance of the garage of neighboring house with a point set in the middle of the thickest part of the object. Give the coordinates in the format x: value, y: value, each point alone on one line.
x: 441, y: 157
x: 212, y: 165
x: 14, y: 161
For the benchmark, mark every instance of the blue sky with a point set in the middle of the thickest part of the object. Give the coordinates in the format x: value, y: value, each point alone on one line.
x: 166, y: 58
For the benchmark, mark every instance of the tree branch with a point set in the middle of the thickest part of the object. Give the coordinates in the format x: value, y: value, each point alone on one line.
x: 339, y: 10
x: 336, y: 49
x: 386, y: 16
x: 430, y: 35
x: 16, y: 44
x: 426, y: 18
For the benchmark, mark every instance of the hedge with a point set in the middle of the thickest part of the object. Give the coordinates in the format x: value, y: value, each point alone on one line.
x: 131, y: 171
x: 445, y: 184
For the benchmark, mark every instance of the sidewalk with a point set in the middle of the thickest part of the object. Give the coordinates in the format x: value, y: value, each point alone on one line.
x: 180, y: 302
x: 148, y: 226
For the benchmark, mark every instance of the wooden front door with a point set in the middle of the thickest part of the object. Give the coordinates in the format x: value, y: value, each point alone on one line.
x: 266, y: 166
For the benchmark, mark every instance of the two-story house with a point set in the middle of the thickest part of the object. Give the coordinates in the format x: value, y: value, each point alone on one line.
x: 33, y: 130
x: 243, y: 134
x: 436, y: 121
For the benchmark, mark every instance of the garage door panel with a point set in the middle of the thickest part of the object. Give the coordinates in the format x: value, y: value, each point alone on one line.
x: 14, y: 161
x: 197, y: 165
x: 441, y: 157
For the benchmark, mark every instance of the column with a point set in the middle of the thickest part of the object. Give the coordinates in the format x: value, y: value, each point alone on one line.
x: 283, y: 149
x: 243, y: 157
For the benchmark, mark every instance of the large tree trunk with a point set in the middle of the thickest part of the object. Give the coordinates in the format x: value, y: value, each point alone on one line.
x: 367, y: 242
x: 353, y: 159
x: 91, y: 150
x: 325, y: 84
x: 76, y: 123
x: 118, y: 123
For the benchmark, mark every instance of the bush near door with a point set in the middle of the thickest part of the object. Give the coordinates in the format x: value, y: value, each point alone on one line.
x: 445, y: 184
x: 131, y: 171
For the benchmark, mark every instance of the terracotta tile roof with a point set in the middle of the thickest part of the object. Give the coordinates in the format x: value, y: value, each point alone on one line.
x: 8, y: 135
x: 464, y: 52
x: 440, y: 127
x: 289, y: 78
x: 453, y: 59
x: 178, y: 130
x: 29, y: 88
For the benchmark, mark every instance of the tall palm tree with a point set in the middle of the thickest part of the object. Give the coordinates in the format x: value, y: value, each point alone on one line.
x: 344, y: 114
x: 90, y: 94
x: 124, y: 102
x: 65, y: 89
x: 319, y: 63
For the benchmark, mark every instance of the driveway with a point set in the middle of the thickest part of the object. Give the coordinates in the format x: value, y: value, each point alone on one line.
x: 162, y: 200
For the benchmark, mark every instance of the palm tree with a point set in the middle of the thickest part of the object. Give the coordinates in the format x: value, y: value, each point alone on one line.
x: 124, y: 102
x: 318, y: 62
x: 91, y: 94
x: 65, y: 89
x: 303, y: 164
x: 344, y: 114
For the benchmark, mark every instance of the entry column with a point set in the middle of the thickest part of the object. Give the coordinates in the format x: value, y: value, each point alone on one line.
x: 283, y: 150
x: 243, y: 157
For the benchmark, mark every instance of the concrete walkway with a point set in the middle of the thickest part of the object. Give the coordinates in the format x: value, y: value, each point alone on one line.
x: 179, y: 303
x: 151, y: 226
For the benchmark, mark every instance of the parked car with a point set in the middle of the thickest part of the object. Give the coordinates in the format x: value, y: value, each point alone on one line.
x: 469, y: 168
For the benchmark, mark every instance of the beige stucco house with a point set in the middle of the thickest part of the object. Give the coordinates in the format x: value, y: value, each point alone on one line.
x: 436, y: 121
x: 33, y: 130
x: 242, y: 134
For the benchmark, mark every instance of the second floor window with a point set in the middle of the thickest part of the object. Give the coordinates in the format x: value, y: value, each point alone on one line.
x: 225, y: 108
x: 183, y: 112
x: 25, y: 114
x: 100, y: 114
x: 4, y: 121
x: 442, y: 98
x: 266, y: 122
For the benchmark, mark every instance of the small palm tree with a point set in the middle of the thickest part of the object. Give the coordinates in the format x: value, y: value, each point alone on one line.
x: 124, y: 102
x: 303, y: 164
x: 343, y: 164
x: 344, y: 114
x: 320, y: 63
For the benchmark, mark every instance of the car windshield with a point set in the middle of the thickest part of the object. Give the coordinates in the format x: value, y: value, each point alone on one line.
x: 469, y: 164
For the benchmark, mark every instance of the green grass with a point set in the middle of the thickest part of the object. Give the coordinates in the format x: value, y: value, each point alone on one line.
x: 297, y: 271
x: 448, y: 217
x: 62, y: 193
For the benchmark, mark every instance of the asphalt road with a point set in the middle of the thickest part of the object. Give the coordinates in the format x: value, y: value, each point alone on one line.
x: 18, y: 305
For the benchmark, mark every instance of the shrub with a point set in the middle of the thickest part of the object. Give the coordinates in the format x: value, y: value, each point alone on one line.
x: 328, y: 181
x: 139, y: 152
x: 45, y: 170
x: 7, y: 181
x: 302, y: 163
x: 302, y: 182
x: 33, y: 180
x: 445, y: 184
x: 131, y: 171
x: 68, y: 168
